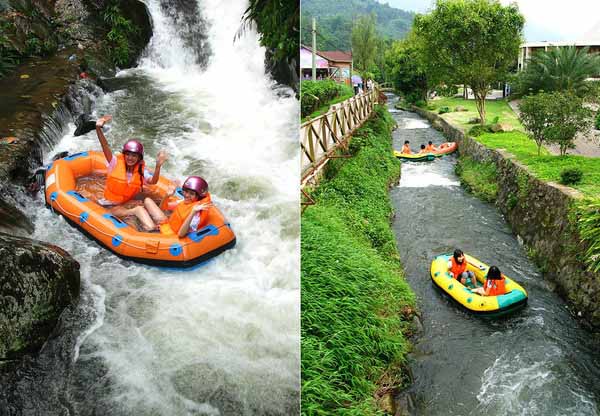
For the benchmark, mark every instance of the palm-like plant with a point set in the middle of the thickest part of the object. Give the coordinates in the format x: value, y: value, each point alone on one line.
x: 559, y: 69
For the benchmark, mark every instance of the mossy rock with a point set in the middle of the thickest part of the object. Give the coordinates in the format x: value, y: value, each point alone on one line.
x: 37, y: 282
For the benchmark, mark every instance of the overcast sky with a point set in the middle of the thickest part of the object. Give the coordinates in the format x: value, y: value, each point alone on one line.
x: 545, y: 20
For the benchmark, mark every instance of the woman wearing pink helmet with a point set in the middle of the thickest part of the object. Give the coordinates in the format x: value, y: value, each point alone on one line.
x: 126, y: 176
x: 189, y: 214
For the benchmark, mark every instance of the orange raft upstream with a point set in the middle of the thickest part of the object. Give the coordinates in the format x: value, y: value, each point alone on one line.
x: 125, y: 241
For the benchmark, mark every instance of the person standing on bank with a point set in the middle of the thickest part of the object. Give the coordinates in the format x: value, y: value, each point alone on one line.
x: 126, y: 176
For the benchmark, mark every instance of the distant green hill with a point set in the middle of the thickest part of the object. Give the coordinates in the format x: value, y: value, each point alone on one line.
x: 334, y: 21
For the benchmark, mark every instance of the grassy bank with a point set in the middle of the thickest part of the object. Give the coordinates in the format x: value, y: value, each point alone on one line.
x: 493, y: 109
x: 478, y: 178
x: 355, y: 301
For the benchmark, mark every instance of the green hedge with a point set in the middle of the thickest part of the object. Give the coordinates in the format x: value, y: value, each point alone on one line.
x: 314, y: 94
x: 354, y: 296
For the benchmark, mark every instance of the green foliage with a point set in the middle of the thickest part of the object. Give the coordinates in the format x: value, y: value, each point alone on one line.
x: 567, y: 117
x: 597, y: 121
x: 420, y: 103
x: 9, y: 58
x: 353, y: 293
x: 315, y: 94
x: 405, y: 71
x: 571, y: 176
x: 279, y: 23
x: 443, y: 110
x: 473, y: 42
x: 546, y: 167
x: 334, y: 21
x: 588, y: 224
x: 535, y: 117
x: 478, y: 178
x: 118, y: 37
x: 559, y: 69
x: 364, y: 43
x: 478, y: 130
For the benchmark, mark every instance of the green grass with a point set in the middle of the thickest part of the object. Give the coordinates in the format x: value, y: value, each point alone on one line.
x: 323, y: 109
x: 546, y: 167
x: 493, y: 108
x: 478, y: 178
x: 354, y: 296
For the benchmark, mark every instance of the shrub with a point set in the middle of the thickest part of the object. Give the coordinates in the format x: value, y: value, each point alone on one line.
x: 421, y: 103
x: 571, y: 176
x: 444, y: 110
x: 478, y: 130
x: 413, y: 97
x: 597, y: 121
x: 314, y: 94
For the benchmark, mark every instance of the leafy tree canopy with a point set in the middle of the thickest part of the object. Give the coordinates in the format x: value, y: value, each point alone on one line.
x: 364, y: 43
x: 470, y: 41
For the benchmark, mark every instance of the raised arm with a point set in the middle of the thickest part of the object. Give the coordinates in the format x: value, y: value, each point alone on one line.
x: 185, y: 227
x: 160, y: 159
x: 105, y: 147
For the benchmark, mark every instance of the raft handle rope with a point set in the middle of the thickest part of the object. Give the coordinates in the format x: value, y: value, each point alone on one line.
x: 74, y: 216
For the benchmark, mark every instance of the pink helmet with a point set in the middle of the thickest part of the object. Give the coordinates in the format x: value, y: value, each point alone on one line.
x: 196, y: 184
x: 134, y: 146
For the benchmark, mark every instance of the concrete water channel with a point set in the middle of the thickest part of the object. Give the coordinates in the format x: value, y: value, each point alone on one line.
x: 538, y: 361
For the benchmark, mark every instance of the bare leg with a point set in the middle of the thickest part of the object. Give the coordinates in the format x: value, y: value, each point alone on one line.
x: 155, y: 212
x: 139, y: 211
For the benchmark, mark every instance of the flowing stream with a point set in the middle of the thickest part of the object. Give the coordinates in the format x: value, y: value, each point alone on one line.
x: 538, y: 361
x: 223, y: 338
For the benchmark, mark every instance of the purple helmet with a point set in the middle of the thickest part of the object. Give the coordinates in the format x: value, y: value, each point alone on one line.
x: 134, y: 146
x: 196, y: 184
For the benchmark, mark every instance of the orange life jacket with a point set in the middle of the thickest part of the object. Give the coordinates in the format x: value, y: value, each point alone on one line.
x: 495, y: 287
x: 457, y: 268
x: 406, y: 149
x: 181, y: 212
x: 430, y: 148
x: 118, y: 189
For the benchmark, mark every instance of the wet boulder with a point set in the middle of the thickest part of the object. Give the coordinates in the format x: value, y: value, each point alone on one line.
x: 37, y: 282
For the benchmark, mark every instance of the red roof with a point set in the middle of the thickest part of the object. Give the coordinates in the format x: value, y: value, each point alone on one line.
x: 336, y: 56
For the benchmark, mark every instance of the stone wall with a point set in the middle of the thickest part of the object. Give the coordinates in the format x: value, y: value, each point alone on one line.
x: 538, y: 213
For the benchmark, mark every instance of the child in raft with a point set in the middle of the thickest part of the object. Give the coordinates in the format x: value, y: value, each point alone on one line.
x: 457, y: 266
x: 430, y: 147
x: 494, y: 285
x: 423, y: 150
x: 406, y: 148
x: 189, y: 214
x: 126, y: 177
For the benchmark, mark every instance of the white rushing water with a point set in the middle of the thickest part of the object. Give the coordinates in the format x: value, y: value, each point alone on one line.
x: 223, y: 338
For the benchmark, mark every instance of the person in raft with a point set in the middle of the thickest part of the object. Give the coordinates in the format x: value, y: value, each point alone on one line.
x: 457, y: 266
x: 406, y: 148
x: 126, y: 177
x: 494, y: 285
x: 423, y: 150
x: 189, y: 214
x: 430, y: 147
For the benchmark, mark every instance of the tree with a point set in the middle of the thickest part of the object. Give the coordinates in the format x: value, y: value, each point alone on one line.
x: 559, y: 69
x: 405, y: 70
x: 535, y: 116
x: 568, y: 117
x: 470, y: 41
x: 364, y: 43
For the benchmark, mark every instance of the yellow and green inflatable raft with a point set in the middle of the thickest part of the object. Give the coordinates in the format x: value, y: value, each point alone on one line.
x: 514, y: 298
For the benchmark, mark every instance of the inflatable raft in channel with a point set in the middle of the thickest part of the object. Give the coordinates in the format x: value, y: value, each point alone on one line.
x: 117, y: 236
x: 443, y: 149
x: 514, y: 298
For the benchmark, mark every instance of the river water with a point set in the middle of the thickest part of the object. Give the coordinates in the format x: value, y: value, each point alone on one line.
x: 535, y: 362
x: 223, y: 338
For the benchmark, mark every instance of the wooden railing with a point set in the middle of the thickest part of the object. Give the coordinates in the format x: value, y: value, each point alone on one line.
x: 322, y: 137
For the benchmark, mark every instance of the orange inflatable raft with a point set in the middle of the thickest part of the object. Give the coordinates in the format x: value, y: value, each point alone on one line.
x: 95, y: 221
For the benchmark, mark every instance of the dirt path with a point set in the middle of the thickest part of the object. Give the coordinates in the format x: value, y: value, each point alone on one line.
x: 585, y: 145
